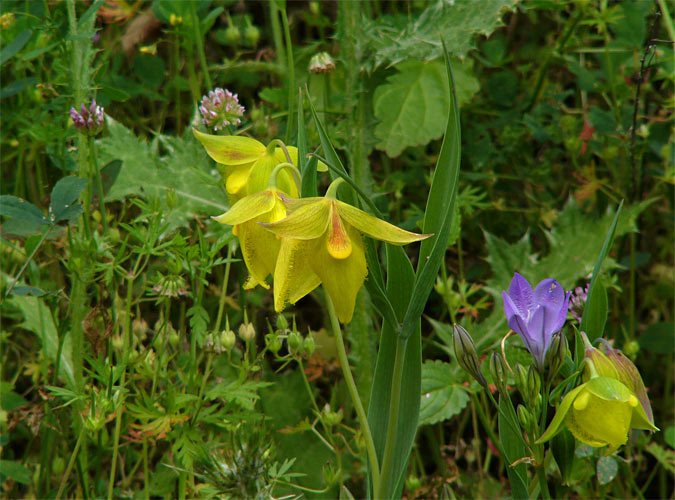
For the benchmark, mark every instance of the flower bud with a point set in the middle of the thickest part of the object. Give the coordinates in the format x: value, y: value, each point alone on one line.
x: 601, y: 364
x: 232, y: 35
x: 294, y: 342
x: 533, y: 383
x: 498, y: 371
x: 557, y: 354
x: 412, y: 483
x: 282, y: 322
x: 321, y: 63
x: 273, y: 342
x: 308, y: 346
x: 524, y: 417
x: 465, y: 351
x: 251, y: 33
x: 521, y: 379
x: 228, y: 339
x: 330, y: 474
x: 330, y: 417
x: 247, y: 332
x: 174, y: 338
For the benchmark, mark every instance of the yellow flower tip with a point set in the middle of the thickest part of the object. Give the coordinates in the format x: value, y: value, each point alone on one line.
x: 219, y: 218
x: 633, y: 401
x: 235, y: 230
x: 338, y: 243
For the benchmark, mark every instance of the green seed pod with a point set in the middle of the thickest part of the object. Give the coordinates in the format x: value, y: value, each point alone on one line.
x: 232, y: 36
x: 294, y: 342
x: 252, y: 34
x: 247, y: 332
x: 521, y: 379
x: 533, y: 383
x: 282, y: 322
x: 524, y: 417
x: 308, y: 346
x: 273, y: 342
x: 228, y: 339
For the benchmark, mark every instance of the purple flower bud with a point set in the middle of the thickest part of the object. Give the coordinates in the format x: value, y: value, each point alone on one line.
x: 536, y: 314
x: 321, y: 63
x: 578, y: 301
x: 220, y: 108
x: 88, y: 121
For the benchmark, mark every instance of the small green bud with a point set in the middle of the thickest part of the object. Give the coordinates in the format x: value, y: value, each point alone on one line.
x: 538, y: 404
x: 282, y: 322
x: 58, y: 465
x: 252, y: 34
x: 308, y: 346
x: 533, y: 383
x: 498, y: 372
x: 524, y: 417
x: 631, y: 348
x: 247, y: 332
x: 228, y: 339
x: 174, y: 338
x: 330, y: 474
x: 412, y: 483
x: 465, y: 351
x: 294, y: 342
x: 273, y: 342
x: 521, y: 379
x: 232, y: 35
x: 555, y: 357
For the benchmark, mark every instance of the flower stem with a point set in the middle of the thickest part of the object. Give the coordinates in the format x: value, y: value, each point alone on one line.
x: 353, y: 393
x: 200, y: 43
x: 387, y: 481
x: 71, y: 462
x: 95, y: 172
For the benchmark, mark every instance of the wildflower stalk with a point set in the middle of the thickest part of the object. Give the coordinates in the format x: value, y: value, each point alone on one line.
x: 96, y: 173
x: 353, y: 393
x: 71, y: 462
x: 386, y: 478
x: 200, y: 44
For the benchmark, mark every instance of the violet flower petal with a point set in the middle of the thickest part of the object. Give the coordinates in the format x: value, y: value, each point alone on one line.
x: 549, y: 293
x: 522, y: 295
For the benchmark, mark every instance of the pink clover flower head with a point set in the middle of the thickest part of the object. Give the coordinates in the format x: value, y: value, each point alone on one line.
x: 221, y: 108
x: 90, y: 120
x: 536, y: 314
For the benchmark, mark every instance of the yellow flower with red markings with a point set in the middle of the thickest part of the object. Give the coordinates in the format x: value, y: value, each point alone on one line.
x: 321, y: 242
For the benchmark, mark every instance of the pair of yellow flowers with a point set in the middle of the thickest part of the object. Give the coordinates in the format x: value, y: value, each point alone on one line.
x: 302, y: 242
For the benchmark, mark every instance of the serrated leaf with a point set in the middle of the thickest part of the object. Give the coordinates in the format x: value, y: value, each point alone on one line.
x: 456, y: 21
x: 442, y: 397
x: 21, y: 210
x: 64, y: 193
x: 413, y: 105
x: 10, y: 469
x: 166, y: 164
x: 606, y: 469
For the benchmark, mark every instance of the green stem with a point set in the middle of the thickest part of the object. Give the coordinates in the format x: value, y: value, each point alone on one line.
x: 71, y: 462
x: 276, y: 32
x: 353, y: 393
x: 667, y: 20
x: 387, y: 481
x: 223, y: 291
x: 543, y: 485
x: 291, y: 75
x: 487, y: 425
x: 200, y: 43
x: 95, y: 172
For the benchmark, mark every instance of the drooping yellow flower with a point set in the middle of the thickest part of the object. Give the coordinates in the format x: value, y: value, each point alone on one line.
x: 599, y: 412
x: 258, y: 246
x: 249, y: 163
x: 321, y: 241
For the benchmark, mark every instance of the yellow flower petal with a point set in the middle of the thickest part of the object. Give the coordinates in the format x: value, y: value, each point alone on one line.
x: 236, y: 178
x: 260, y: 249
x: 601, y: 422
x: 230, y: 149
x: 249, y: 208
x: 306, y: 223
x: 376, y: 228
x: 280, y: 155
x: 293, y: 277
x: 338, y: 244
x: 342, y: 278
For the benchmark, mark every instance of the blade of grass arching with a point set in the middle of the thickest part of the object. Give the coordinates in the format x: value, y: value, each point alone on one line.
x: 439, y: 211
x: 328, y: 149
x: 595, y: 312
x: 514, y: 449
x: 400, y: 280
x: 307, y: 166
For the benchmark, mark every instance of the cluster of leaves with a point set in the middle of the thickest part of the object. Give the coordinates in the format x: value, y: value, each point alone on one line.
x: 554, y: 134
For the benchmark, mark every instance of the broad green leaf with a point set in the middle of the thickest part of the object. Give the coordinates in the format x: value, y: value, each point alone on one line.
x: 514, y: 449
x: 442, y: 397
x: 22, y: 210
x: 64, y: 193
x: 456, y: 21
x: 166, y: 164
x: 38, y: 319
x: 606, y: 469
x: 9, y: 50
x: 10, y: 469
x: 562, y: 447
x: 412, y: 107
x: 595, y: 311
x: 439, y: 212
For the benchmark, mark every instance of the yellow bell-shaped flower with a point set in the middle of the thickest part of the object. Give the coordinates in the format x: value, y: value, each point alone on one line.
x: 321, y: 241
x: 249, y: 163
x: 599, y: 412
x: 259, y: 247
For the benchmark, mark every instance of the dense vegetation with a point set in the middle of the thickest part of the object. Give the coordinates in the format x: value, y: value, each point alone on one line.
x: 138, y: 358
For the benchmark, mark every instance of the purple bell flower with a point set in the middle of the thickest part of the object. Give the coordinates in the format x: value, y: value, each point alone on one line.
x: 536, y: 314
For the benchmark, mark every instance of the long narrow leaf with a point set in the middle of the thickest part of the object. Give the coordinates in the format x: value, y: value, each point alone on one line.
x: 439, y: 211
x: 307, y: 166
x: 595, y: 312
